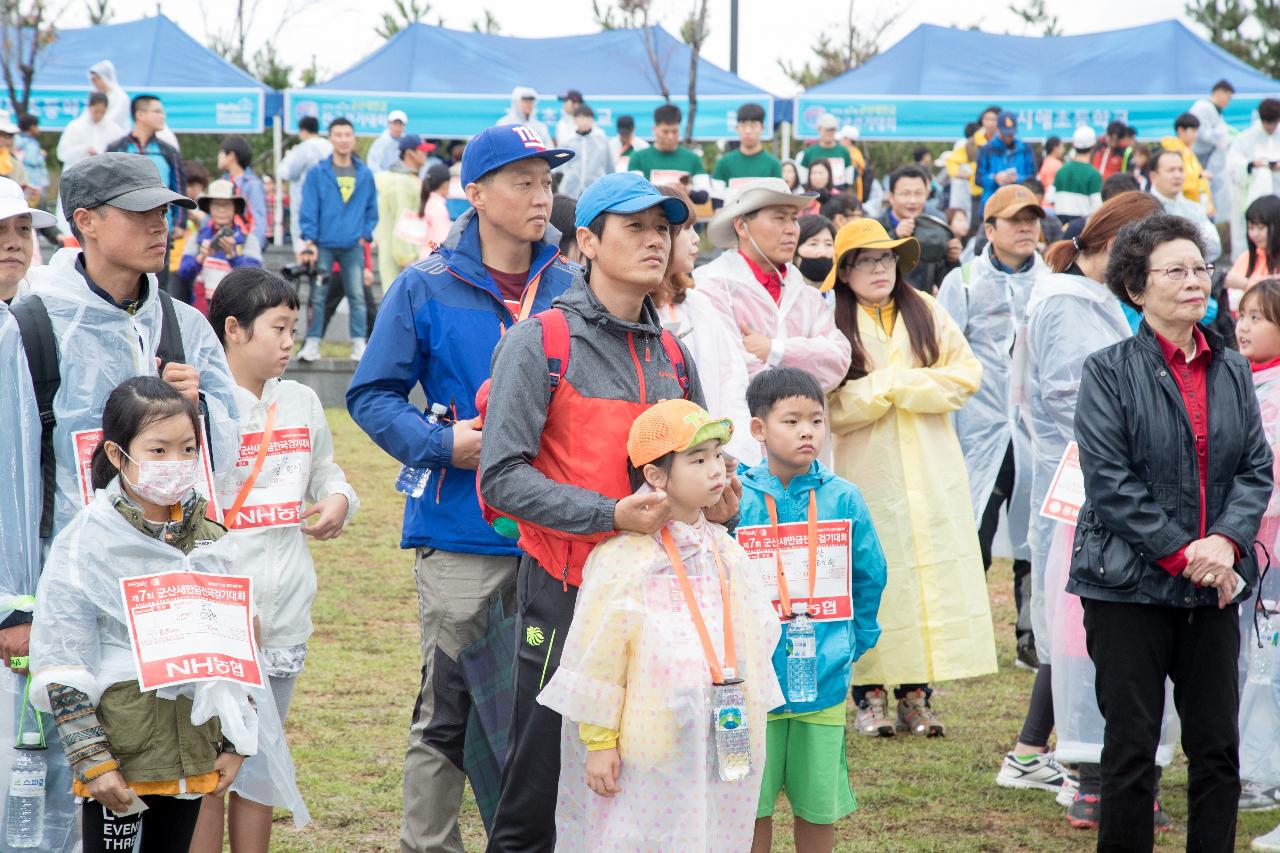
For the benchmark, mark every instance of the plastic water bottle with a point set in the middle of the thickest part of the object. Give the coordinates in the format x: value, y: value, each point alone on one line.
x: 24, y: 813
x: 413, y: 481
x: 802, y: 657
x: 1262, y: 660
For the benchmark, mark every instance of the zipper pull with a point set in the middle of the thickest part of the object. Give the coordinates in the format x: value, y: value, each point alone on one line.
x: 646, y: 349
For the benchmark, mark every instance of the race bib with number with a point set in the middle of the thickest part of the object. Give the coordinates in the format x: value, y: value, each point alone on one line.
x: 86, y: 441
x: 1066, y: 492
x: 276, y: 497
x: 191, y: 626
x: 832, y: 596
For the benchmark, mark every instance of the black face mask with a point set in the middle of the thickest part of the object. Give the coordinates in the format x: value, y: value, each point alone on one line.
x: 815, y: 269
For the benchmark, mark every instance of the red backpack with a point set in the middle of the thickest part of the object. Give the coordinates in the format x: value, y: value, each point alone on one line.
x: 555, y: 346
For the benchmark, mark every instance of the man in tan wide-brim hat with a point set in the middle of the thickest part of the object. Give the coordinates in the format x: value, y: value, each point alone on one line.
x: 756, y: 285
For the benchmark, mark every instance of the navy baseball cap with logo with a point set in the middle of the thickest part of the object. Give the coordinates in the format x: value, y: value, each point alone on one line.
x: 495, y: 147
x: 1007, y: 123
x: 625, y: 192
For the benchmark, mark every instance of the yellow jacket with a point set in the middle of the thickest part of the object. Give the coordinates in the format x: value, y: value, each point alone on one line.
x: 1196, y: 186
x: 966, y: 154
x: 893, y: 438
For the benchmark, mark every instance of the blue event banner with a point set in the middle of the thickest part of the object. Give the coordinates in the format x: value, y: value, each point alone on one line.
x: 939, y: 118
x: 463, y: 116
x: 187, y: 110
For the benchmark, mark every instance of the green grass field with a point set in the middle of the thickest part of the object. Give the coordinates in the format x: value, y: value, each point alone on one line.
x: 351, y: 713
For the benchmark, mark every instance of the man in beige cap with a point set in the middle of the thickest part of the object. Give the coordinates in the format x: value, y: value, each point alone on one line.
x: 755, y: 285
x: 988, y: 298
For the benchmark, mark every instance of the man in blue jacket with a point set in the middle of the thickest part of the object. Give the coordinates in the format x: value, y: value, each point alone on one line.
x: 339, y: 213
x: 441, y: 320
x: 1004, y: 160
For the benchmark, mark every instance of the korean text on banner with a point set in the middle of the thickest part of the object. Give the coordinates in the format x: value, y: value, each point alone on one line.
x: 86, y: 441
x: 832, y: 597
x: 191, y: 626
x: 1066, y: 492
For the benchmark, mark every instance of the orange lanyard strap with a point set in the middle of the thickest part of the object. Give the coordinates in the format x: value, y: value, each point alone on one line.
x: 230, y: 518
x: 530, y: 294
x: 695, y: 612
x: 784, y: 594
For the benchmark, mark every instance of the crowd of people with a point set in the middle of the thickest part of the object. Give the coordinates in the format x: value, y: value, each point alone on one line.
x: 721, y: 503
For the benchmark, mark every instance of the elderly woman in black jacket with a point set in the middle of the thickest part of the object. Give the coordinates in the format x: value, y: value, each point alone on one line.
x: 1177, y: 475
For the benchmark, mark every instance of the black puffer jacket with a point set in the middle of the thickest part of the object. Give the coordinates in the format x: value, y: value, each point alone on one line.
x: 1142, y: 479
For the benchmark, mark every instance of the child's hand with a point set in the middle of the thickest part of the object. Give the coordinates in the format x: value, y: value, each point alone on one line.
x: 603, y: 767
x: 332, y: 512
x: 228, y: 766
x: 110, y: 790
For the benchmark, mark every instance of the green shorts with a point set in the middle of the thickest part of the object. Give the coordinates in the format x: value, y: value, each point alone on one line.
x: 808, y: 760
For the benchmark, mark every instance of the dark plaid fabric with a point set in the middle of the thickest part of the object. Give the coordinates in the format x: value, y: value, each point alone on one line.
x: 486, y: 669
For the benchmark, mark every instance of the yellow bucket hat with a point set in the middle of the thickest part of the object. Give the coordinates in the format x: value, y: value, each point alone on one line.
x: 867, y: 233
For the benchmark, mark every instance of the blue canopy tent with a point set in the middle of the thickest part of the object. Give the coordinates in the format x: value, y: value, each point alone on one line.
x: 934, y: 81
x: 454, y: 83
x: 202, y: 92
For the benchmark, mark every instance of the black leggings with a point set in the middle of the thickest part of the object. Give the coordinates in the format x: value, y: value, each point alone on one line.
x: 1039, y: 722
x: 166, y: 826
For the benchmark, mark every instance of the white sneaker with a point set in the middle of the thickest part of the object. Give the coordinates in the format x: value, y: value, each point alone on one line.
x: 1042, y: 772
x: 1270, y: 841
x: 310, y: 350
x: 1256, y: 797
x: 357, y: 348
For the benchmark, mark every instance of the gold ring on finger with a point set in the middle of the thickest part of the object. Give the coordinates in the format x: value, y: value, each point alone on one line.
x: 1210, y: 578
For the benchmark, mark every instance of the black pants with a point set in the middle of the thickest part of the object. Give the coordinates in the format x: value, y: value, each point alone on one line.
x: 1038, y: 724
x: 333, y: 296
x: 526, y: 816
x: 1001, y: 494
x: 1134, y: 647
x: 167, y: 826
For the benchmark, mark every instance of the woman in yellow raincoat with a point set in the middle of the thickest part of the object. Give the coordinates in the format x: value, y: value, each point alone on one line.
x: 893, y: 437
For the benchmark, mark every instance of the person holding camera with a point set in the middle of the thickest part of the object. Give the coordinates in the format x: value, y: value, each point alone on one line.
x: 219, y: 246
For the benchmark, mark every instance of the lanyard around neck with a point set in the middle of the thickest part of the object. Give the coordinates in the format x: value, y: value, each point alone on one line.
x: 784, y: 595
x: 695, y: 612
x: 230, y: 519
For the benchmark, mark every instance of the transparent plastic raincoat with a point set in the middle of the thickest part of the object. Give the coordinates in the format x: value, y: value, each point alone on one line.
x: 633, y: 663
x: 1069, y: 317
x: 989, y: 305
x: 79, y: 638
x: 893, y: 438
x: 101, y: 346
x: 1259, y: 637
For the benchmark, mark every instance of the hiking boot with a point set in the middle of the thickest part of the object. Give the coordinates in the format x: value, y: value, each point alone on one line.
x: 1084, y: 811
x: 1160, y: 818
x: 915, y: 716
x: 1040, y: 772
x: 873, y: 715
x: 1026, y: 657
x: 1255, y: 797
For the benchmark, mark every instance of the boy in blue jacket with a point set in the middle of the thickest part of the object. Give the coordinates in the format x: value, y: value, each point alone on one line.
x: 440, y: 323
x: 820, y: 518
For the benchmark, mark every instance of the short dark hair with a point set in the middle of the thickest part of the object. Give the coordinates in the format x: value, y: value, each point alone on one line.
x: 910, y: 171
x: 563, y: 209
x: 1269, y: 110
x: 1052, y: 143
x: 750, y: 112
x: 310, y: 124
x: 238, y: 147
x: 840, y: 204
x: 1163, y: 152
x: 667, y: 114
x: 1035, y: 185
x: 1120, y: 182
x: 584, y: 110
x: 994, y: 108
x: 245, y: 294
x: 1186, y: 120
x: 131, y: 407
x: 768, y: 388
x: 28, y: 121
x: 195, y: 172
x: 1116, y: 128
x: 625, y: 124
x: 98, y: 98
x: 1131, y: 252
x: 919, y: 153
x: 1130, y: 132
x: 341, y: 121
x: 1223, y: 85
x: 140, y: 103
x: 971, y: 128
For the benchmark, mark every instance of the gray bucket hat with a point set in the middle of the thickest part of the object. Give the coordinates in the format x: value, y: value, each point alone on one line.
x: 127, y: 181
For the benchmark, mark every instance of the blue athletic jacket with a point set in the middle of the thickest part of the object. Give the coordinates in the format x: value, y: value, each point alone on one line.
x: 839, y: 643
x: 438, y: 326
x: 328, y: 220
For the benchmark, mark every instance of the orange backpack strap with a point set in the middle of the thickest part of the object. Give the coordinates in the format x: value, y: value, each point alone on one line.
x: 676, y: 356
x: 555, y: 344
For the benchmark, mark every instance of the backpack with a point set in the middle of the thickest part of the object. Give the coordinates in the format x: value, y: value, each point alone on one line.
x: 555, y: 346
x: 38, y: 342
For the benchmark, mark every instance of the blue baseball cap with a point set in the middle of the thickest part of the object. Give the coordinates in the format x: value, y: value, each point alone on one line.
x: 495, y: 147
x: 412, y: 142
x: 625, y: 192
x: 1007, y: 122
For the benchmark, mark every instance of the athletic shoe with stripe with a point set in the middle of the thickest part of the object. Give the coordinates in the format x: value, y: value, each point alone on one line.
x: 1040, y: 772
